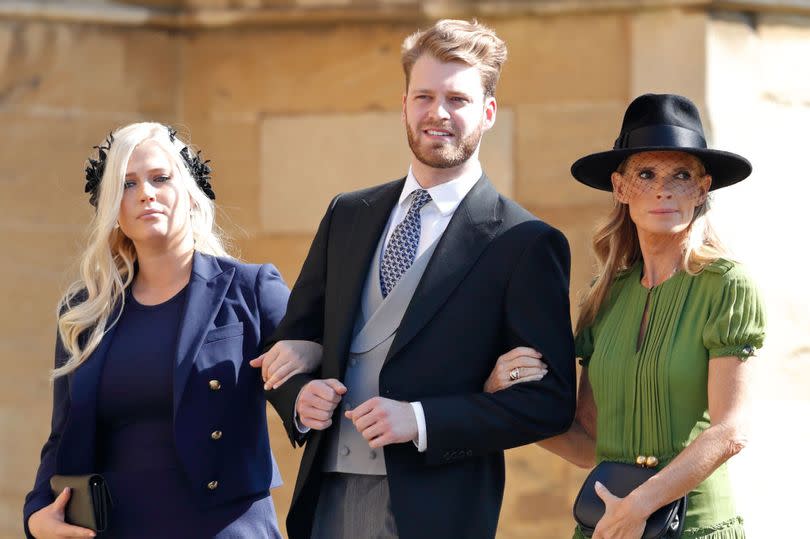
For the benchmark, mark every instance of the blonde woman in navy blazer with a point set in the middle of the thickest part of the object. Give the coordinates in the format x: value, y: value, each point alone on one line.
x: 152, y: 382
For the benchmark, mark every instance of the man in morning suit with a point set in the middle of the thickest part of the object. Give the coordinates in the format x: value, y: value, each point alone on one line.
x: 414, y: 288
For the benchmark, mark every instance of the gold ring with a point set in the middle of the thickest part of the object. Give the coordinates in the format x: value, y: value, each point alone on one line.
x: 514, y: 374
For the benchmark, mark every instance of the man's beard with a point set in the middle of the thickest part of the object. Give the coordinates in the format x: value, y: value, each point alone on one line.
x: 443, y: 155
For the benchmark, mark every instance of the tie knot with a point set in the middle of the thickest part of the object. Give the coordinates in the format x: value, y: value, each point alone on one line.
x: 420, y: 198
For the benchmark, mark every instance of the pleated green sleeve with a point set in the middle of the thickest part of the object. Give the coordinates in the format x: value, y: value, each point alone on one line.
x: 736, y: 321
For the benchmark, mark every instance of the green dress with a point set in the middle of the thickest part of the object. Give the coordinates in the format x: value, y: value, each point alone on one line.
x: 654, y: 401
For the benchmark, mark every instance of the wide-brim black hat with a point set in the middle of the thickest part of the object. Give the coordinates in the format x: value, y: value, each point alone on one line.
x: 661, y: 122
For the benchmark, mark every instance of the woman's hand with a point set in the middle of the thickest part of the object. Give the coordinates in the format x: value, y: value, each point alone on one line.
x: 622, y: 520
x: 287, y: 358
x: 522, y: 363
x: 49, y: 522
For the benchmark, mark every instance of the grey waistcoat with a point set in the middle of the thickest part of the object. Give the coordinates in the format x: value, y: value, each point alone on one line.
x: 375, y: 328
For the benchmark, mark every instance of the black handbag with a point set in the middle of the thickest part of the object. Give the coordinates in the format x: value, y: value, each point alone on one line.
x: 621, y: 479
x: 90, y: 500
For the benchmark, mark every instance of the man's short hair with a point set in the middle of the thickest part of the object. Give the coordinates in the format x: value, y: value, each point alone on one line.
x: 468, y: 42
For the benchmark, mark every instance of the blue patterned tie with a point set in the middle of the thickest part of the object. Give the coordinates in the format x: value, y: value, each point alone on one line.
x: 401, y: 250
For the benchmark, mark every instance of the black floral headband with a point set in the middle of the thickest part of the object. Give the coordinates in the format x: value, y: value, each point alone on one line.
x: 199, y: 169
x: 95, y: 170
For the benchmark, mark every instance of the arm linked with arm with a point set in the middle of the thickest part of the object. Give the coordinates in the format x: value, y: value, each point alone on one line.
x: 578, y: 444
x: 304, y: 320
x: 537, y: 316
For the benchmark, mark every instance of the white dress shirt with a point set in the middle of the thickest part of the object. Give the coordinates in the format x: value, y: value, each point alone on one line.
x: 434, y: 217
x: 436, y: 214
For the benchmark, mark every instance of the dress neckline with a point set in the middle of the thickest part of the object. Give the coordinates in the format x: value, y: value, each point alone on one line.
x: 637, y: 275
x: 141, y: 307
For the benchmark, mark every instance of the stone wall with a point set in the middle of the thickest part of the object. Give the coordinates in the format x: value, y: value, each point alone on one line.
x: 294, y: 109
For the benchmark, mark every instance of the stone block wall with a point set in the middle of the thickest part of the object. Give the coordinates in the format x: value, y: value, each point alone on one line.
x: 293, y: 110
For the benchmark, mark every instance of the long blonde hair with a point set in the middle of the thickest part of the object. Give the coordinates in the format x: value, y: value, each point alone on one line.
x: 616, y: 247
x: 93, y: 304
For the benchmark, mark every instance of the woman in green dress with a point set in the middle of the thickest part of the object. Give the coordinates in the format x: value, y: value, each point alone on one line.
x: 666, y: 330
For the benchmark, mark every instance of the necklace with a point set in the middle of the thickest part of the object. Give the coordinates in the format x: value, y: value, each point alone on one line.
x: 669, y: 275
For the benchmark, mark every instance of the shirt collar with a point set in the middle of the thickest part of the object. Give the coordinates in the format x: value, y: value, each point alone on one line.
x: 446, y: 196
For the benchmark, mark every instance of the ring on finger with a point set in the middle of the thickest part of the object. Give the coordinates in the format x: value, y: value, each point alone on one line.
x: 514, y: 374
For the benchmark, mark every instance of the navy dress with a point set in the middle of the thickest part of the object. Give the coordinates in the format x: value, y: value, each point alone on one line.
x: 135, y: 441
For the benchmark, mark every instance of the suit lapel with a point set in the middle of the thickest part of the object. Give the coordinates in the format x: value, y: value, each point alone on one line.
x: 357, y: 248
x: 470, y: 230
x: 204, y: 296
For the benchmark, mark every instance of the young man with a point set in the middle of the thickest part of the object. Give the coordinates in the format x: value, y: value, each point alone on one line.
x: 414, y: 288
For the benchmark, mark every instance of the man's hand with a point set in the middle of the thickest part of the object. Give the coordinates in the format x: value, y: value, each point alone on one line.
x: 285, y: 359
x: 384, y: 421
x: 316, y: 402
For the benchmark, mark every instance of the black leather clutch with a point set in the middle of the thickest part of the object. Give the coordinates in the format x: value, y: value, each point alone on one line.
x: 90, y: 500
x: 621, y: 479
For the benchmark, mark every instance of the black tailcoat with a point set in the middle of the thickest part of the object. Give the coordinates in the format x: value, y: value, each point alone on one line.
x: 497, y: 279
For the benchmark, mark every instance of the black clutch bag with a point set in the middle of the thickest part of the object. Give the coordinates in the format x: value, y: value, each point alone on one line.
x: 90, y: 500
x: 621, y: 479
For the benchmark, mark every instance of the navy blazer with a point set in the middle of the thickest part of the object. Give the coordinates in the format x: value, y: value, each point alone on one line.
x: 231, y: 308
